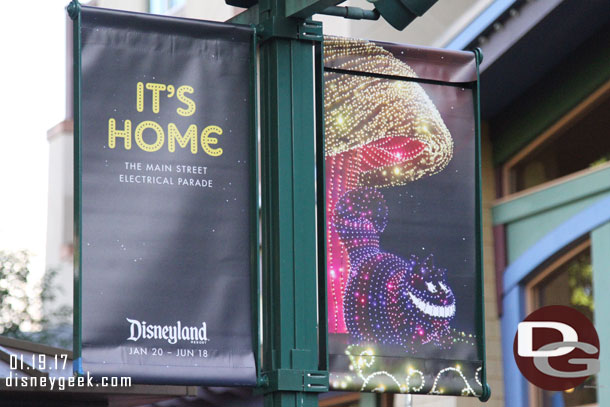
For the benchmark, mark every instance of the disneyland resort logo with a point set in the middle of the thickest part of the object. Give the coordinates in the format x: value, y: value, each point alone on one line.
x: 170, y: 333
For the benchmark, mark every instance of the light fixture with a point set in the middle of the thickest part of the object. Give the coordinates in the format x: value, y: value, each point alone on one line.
x: 241, y: 3
x: 400, y: 13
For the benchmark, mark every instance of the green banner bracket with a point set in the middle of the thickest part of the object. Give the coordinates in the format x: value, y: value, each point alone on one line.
x: 290, y: 28
x: 313, y: 381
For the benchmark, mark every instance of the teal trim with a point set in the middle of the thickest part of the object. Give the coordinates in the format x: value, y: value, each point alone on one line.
x: 581, y: 74
x: 595, y: 220
x: 585, y: 186
x: 569, y: 231
x: 523, y: 234
x: 600, y: 247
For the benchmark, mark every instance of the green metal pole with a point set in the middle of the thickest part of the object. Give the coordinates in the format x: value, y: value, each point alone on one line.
x: 291, y: 362
x: 74, y: 13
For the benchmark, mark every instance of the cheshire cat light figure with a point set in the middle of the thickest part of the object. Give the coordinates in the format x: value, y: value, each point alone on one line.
x: 389, y: 299
x: 380, y: 133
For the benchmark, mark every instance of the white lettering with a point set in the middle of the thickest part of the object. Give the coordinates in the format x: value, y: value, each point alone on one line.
x: 526, y: 337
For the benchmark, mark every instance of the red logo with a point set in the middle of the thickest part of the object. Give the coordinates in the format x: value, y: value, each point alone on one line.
x: 556, y: 348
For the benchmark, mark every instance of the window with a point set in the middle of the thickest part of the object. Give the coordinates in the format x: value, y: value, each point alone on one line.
x: 567, y: 281
x: 578, y: 141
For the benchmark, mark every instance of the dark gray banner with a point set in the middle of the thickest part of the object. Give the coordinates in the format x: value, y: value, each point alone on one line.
x: 166, y: 237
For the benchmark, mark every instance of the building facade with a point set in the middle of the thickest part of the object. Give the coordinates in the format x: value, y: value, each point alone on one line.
x: 545, y: 94
x: 545, y: 84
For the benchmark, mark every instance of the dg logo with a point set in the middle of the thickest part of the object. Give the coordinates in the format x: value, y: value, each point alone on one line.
x: 556, y: 348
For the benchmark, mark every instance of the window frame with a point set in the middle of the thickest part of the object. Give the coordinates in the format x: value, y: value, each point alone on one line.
x: 532, y: 302
x: 508, y: 181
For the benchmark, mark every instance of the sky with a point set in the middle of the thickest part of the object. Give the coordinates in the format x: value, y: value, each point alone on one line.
x: 32, y: 38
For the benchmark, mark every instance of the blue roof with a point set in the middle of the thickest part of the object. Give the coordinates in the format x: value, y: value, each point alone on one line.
x: 480, y: 24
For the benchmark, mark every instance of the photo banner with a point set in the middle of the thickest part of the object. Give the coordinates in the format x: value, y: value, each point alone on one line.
x: 164, y: 199
x: 402, y: 226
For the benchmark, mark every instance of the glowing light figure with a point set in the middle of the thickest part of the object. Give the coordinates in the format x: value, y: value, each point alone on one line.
x: 365, y: 377
x: 408, y: 308
x: 379, y: 133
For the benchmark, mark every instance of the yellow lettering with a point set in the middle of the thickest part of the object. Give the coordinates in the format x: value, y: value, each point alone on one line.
x: 186, y: 100
x: 173, y: 134
x: 140, y: 139
x: 140, y: 99
x: 113, y: 133
x: 206, y: 140
x: 156, y: 88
